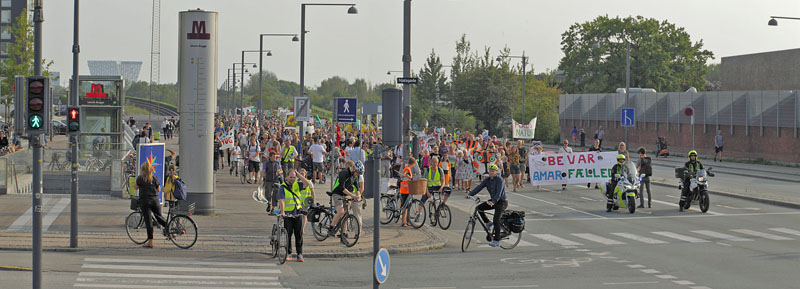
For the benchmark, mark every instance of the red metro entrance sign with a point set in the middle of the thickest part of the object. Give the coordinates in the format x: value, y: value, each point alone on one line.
x: 96, y: 91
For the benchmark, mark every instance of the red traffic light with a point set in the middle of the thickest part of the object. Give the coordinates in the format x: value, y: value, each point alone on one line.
x: 73, y: 114
x: 35, y: 87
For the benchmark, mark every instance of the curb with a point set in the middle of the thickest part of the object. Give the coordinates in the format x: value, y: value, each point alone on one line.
x: 780, y: 203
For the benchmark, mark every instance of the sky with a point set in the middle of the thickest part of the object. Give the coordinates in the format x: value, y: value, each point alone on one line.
x: 370, y: 43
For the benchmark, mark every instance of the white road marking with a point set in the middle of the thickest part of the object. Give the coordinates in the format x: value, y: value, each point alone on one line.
x: 637, y: 266
x: 666, y: 277
x: 622, y: 261
x: 680, y: 237
x: 598, y: 239
x: 588, y: 199
x: 512, y: 239
x: 181, y: 269
x: 650, y: 271
x: 202, y: 283
x: 556, y: 240
x: 24, y: 220
x: 53, y: 213
x: 511, y: 286
x: 631, y: 283
x: 699, y: 287
x: 762, y: 235
x: 583, y: 250
x: 694, y: 208
x: 179, y: 262
x: 628, y: 218
x: 428, y: 288
x: 723, y: 244
x: 786, y: 231
x: 165, y: 276
x: 640, y: 238
x: 683, y: 282
x: 551, y: 203
x: 735, y: 208
x: 725, y: 237
x: 131, y: 286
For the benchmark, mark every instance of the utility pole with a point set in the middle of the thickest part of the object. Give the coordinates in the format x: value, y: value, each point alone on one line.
x: 406, y: 74
x: 36, y: 142
x: 73, y: 139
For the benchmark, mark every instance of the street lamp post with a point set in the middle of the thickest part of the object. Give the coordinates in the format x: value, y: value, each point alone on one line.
x: 241, y: 67
x: 627, y: 74
x: 233, y: 99
x: 524, y: 72
x: 261, y: 63
x: 390, y: 72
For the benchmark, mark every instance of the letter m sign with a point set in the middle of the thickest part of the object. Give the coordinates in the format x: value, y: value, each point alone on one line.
x: 198, y: 31
x: 96, y: 91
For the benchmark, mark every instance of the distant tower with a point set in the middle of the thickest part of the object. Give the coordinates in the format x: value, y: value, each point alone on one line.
x: 155, y: 47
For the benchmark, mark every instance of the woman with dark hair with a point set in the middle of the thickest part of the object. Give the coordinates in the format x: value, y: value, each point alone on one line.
x: 148, y: 186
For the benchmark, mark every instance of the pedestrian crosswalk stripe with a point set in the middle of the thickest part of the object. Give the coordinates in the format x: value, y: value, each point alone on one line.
x: 556, y: 240
x: 167, y: 282
x: 181, y: 269
x: 762, y: 235
x: 681, y: 237
x: 786, y: 231
x: 165, y: 276
x: 639, y: 238
x: 721, y: 236
x: 511, y: 240
x: 598, y: 239
x: 131, y: 286
x: 179, y: 262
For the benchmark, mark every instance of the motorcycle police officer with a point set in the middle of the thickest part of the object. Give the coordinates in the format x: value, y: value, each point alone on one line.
x: 618, y: 169
x: 689, y: 170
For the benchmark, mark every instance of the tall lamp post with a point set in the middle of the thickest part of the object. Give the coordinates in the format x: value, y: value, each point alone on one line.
x: 232, y: 86
x: 773, y: 22
x: 241, y: 67
x: 261, y: 62
x: 627, y: 73
x: 452, y: 99
x: 524, y: 72
x: 351, y: 10
x: 390, y: 72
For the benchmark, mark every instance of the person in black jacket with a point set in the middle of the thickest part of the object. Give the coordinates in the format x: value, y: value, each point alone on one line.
x: 497, y: 201
x: 690, y: 169
x: 148, y: 186
x: 645, y: 167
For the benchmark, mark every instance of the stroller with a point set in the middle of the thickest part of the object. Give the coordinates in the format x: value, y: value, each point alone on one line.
x: 662, y: 146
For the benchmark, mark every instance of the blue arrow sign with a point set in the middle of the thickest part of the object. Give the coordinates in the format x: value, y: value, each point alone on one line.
x: 382, y: 266
x: 627, y: 117
x: 346, y: 109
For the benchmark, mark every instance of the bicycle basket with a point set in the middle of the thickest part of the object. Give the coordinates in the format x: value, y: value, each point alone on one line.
x: 183, y: 208
x: 514, y: 221
x: 134, y: 204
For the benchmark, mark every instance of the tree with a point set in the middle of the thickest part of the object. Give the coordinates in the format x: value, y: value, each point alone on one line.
x: 663, y: 56
x: 713, y: 77
x: 20, y: 57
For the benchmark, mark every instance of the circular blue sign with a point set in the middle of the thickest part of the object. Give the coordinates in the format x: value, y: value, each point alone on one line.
x: 382, y: 266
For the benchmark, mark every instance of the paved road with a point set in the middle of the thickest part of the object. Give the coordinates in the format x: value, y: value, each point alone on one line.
x: 570, y: 242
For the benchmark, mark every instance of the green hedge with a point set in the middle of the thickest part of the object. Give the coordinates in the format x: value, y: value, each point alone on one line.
x: 164, y: 104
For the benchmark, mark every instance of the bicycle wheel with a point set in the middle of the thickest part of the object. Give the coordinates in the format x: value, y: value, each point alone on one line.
x: 184, y: 230
x: 510, y: 241
x: 432, y: 212
x: 351, y: 230
x: 468, y: 235
x: 321, y: 228
x: 273, y: 241
x: 135, y: 227
x: 283, y: 245
x: 388, y: 207
x: 416, y: 214
x: 444, y: 216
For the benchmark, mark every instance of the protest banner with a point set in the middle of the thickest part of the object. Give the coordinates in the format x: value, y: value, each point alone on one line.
x: 227, y: 141
x: 574, y: 168
x: 524, y: 131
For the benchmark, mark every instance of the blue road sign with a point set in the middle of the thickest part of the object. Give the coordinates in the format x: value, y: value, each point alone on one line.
x: 346, y: 109
x: 628, y: 117
x: 382, y: 266
x: 415, y: 127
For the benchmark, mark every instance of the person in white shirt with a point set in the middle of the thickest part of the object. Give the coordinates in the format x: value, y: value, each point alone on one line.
x: 236, y: 157
x: 565, y: 149
x: 318, y: 154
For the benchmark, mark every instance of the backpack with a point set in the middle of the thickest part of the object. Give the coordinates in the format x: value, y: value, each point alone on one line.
x: 180, y: 189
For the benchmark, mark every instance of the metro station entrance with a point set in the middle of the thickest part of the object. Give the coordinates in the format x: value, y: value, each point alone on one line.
x: 100, y: 100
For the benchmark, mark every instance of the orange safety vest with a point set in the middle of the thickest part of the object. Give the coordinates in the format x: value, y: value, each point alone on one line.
x: 404, y: 181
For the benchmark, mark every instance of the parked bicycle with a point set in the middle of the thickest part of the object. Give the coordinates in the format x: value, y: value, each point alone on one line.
x: 438, y: 212
x: 512, y: 222
x: 56, y: 164
x: 181, y: 229
x: 321, y: 216
x: 279, y: 240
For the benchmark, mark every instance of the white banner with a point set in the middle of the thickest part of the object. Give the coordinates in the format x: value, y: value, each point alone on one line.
x: 227, y: 141
x: 524, y: 131
x: 574, y: 168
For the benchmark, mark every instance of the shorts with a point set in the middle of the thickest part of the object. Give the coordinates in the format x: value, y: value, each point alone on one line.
x: 253, y: 166
x: 317, y: 167
x: 338, y: 200
x: 718, y: 149
x: 514, y: 169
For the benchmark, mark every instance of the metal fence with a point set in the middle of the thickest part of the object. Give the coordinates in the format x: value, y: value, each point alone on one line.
x: 711, y: 109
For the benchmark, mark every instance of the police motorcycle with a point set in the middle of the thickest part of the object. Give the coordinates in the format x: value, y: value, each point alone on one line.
x: 698, y: 186
x: 624, y: 195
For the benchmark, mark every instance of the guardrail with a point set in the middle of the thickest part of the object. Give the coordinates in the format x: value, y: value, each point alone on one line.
x: 158, y: 107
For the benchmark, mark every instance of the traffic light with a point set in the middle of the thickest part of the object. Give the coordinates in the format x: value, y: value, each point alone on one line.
x: 38, y: 104
x: 73, y: 120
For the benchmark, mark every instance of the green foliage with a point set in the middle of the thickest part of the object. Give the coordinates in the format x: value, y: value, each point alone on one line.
x: 663, y: 56
x: 713, y: 77
x: 20, y: 57
x: 166, y: 93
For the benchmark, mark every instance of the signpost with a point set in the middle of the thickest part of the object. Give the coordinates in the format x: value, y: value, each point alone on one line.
x: 689, y: 111
x: 627, y: 117
x: 381, y: 266
x: 302, y: 109
x: 407, y: 80
x: 346, y: 109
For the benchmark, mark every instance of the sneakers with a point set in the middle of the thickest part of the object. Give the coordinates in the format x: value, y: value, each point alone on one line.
x: 489, y: 226
x: 494, y: 244
x: 300, y: 258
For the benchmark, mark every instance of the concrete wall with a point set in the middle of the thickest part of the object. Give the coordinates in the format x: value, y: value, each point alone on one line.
x: 95, y: 183
x: 775, y: 70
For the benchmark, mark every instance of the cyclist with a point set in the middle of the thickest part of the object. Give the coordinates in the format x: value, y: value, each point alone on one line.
x: 497, y: 201
x: 689, y: 170
x: 341, y: 189
x: 291, y: 204
x: 435, y: 176
x: 618, y: 169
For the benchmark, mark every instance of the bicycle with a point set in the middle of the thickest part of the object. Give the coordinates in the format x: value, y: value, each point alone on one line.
x: 240, y: 167
x: 56, y: 163
x: 181, y: 229
x: 506, y: 240
x: 391, y: 211
x: 322, y: 228
x: 438, y: 212
x: 279, y: 240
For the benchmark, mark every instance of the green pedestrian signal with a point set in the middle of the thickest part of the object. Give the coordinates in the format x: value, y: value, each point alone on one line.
x: 35, y: 121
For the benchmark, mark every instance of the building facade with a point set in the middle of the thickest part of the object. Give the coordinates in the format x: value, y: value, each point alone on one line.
x: 774, y: 70
x: 9, y: 11
x: 129, y: 70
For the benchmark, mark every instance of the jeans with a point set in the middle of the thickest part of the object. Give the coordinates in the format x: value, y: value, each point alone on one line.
x: 150, y: 206
x: 294, y: 226
x: 499, y: 207
x: 645, y: 182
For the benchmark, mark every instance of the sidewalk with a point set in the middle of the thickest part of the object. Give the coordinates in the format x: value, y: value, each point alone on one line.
x: 771, y: 184
x: 240, y: 225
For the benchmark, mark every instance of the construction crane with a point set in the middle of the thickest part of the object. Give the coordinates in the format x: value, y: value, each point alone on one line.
x: 155, y: 48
